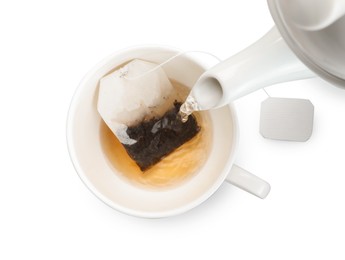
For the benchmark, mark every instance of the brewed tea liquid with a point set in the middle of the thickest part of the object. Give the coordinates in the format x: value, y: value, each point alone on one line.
x: 173, y: 169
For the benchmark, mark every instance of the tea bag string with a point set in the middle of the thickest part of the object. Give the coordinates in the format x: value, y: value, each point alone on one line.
x: 268, y: 95
x: 125, y: 71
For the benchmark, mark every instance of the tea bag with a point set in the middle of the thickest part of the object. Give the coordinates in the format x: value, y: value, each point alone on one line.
x: 139, y: 105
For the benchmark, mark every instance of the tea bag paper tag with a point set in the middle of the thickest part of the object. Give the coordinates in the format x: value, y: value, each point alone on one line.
x: 286, y: 119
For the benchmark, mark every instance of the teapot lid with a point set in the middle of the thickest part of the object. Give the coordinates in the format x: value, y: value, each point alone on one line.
x: 315, y: 32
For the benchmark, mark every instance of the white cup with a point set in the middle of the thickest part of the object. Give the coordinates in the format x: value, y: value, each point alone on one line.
x: 90, y: 161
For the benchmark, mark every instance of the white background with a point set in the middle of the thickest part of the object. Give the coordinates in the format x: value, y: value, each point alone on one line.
x: 46, y: 212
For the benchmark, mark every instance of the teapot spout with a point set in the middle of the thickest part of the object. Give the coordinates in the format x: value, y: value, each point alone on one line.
x: 268, y: 61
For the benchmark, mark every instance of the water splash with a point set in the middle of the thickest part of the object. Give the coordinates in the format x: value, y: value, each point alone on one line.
x: 187, y: 108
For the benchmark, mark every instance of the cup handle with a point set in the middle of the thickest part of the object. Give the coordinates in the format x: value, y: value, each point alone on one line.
x: 248, y: 182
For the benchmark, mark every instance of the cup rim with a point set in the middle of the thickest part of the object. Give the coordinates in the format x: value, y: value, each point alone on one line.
x: 98, y: 194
